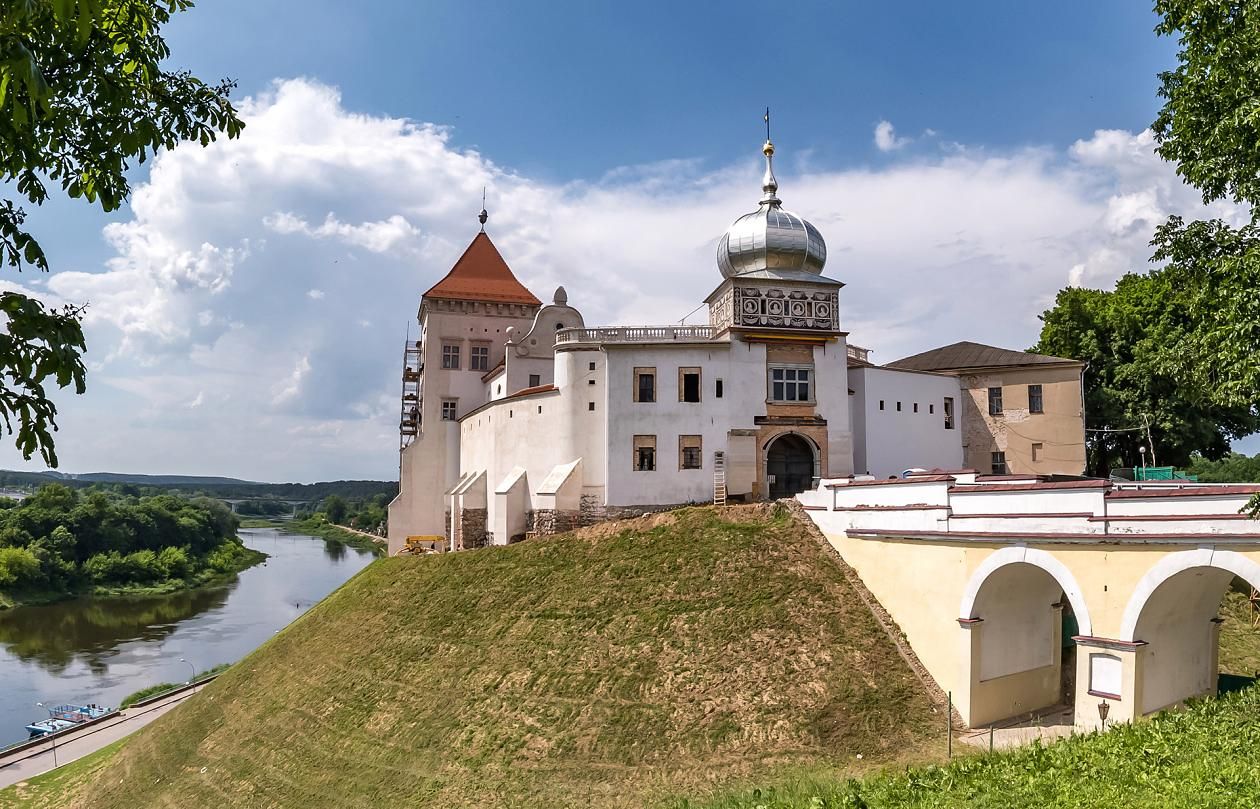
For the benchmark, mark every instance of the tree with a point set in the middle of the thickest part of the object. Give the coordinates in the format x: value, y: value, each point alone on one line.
x: 1210, y: 122
x: 334, y: 508
x: 83, y: 93
x: 1136, y: 389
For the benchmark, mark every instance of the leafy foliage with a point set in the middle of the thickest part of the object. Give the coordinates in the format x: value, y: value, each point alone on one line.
x: 99, y: 539
x: 1134, y: 340
x: 1180, y: 349
x: 1233, y: 468
x: 1210, y: 122
x: 83, y: 93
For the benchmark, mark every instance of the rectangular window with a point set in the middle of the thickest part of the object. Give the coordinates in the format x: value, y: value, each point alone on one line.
x: 916, y: 407
x: 1034, y: 399
x: 881, y: 404
x: 450, y: 357
x: 645, y: 384
x: 479, y: 358
x: 591, y: 366
x: 689, y: 452
x: 590, y: 406
x: 688, y: 384
x: 534, y: 380
x: 448, y: 410
x: 717, y: 390
x: 645, y: 453
x: 790, y: 384
x: 999, y: 463
x: 948, y: 406
x: 931, y: 409
x: 1037, y: 452
x: 898, y: 407
x: 995, y: 401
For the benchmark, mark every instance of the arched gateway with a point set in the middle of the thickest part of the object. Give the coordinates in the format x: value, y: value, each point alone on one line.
x: 1021, y: 594
x: 790, y: 464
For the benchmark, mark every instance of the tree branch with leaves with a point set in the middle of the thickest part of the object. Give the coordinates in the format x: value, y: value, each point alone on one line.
x: 83, y: 97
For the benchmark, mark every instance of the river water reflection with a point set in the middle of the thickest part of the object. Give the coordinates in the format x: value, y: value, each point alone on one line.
x: 101, y: 650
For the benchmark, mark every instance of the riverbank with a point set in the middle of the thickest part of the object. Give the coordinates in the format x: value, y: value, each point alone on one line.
x: 324, y: 530
x: 240, y: 560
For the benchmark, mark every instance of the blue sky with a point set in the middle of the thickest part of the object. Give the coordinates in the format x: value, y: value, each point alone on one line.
x: 248, y: 307
x: 569, y: 90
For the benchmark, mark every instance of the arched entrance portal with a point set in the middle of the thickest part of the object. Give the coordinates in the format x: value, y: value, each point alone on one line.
x: 790, y: 464
x: 1173, y: 617
x: 1019, y: 613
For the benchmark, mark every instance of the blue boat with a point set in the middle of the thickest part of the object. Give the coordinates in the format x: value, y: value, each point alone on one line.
x: 65, y: 716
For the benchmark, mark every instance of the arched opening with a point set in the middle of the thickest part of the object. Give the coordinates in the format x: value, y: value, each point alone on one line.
x: 1185, y: 650
x: 1022, y: 655
x: 790, y: 464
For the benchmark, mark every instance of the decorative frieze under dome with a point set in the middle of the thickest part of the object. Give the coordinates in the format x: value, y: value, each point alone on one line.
x: 744, y: 306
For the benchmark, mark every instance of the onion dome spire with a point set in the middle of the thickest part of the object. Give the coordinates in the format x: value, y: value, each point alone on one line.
x: 769, y: 185
x: 771, y: 239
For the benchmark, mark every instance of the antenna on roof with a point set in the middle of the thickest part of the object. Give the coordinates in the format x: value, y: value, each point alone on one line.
x: 483, y: 216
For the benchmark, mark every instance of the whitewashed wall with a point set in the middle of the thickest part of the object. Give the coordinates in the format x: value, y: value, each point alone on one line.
x: 887, y: 442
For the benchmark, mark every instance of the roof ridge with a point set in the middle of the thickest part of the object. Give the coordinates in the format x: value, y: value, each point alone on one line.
x: 481, y: 274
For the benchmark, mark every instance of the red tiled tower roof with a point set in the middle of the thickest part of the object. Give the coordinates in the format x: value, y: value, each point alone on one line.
x: 481, y: 274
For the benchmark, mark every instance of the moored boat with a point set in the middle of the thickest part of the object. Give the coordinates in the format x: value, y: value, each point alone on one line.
x: 65, y: 716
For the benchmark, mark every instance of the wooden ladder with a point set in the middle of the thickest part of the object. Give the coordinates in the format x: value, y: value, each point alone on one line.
x: 719, y: 478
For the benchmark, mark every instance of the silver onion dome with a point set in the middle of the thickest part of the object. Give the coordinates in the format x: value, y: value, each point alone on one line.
x: 771, y: 238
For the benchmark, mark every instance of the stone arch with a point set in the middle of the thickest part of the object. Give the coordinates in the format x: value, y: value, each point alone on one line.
x: 801, y: 440
x: 1037, y: 558
x: 1172, y: 618
x: 1175, y: 563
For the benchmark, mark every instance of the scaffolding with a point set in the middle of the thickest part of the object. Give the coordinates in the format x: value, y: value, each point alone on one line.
x: 413, y: 369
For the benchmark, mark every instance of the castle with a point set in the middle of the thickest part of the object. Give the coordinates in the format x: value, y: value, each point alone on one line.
x: 518, y: 419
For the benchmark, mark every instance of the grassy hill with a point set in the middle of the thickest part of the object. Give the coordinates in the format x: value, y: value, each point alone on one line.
x: 614, y: 667
x: 1200, y: 758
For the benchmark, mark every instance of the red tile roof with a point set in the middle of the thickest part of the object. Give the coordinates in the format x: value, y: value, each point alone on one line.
x: 481, y: 274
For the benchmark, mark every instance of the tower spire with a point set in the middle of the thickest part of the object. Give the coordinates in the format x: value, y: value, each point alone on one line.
x: 483, y: 216
x: 769, y: 185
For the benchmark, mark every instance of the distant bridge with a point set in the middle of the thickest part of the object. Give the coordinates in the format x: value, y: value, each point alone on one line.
x: 985, y: 576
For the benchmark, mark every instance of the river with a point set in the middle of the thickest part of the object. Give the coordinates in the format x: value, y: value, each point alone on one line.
x: 101, y: 650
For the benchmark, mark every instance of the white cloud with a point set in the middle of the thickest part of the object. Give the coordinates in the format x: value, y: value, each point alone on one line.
x: 191, y: 345
x: 886, y: 139
x: 377, y: 237
x: 289, y: 389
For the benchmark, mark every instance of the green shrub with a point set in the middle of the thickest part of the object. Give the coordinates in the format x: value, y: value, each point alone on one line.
x: 18, y: 567
x: 174, y: 563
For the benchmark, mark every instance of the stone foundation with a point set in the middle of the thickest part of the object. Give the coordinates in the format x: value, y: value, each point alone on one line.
x: 472, y: 528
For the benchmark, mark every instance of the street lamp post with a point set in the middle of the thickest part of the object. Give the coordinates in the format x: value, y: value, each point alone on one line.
x: 190, y: 668
x: 1103, y: 710
x: 53, y: 735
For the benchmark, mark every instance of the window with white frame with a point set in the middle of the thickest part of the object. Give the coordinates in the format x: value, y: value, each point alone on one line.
x: 450, y: 356
x: 479, y: 359
x: 791, y: 383
x: 448, y: 409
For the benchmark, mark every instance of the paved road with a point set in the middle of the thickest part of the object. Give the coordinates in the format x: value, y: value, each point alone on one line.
x: 34, y: 761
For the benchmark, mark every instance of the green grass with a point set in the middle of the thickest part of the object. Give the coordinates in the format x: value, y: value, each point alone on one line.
x: 608, y: 668
x: 162, y: 688
x: 1240, y: 639
x: 57, y: 788
x: 1200, y: 758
